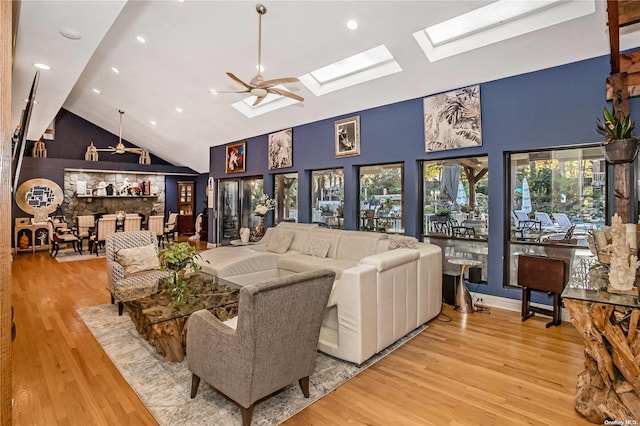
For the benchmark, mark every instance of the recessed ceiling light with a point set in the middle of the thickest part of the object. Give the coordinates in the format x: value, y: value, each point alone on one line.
x: 70, y: 33
x: 352, y: 24
x: 96, y: 91
x: 153, y: 122
x: 141, y: 39
x: 213, y: 91
x: 178, y: 109
x: 180, y: 1
x: 116, y: 70
x: 42, y: 66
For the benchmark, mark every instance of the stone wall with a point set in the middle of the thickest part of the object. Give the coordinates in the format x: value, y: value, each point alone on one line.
x: 76, y: 206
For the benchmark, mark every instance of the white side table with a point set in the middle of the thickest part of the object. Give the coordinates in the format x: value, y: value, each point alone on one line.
x: 463, y: 303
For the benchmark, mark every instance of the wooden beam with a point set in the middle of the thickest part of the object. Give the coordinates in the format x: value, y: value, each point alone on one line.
x: 628, y: 12
x: 614, y: 35
x: 6, y: 53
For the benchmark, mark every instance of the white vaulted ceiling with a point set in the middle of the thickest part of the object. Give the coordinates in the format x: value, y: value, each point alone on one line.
x: 191, y: 44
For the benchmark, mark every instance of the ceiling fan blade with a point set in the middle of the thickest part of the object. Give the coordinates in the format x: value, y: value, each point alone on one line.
x: 234, y: 91
x: 286, y: 93
x: 233, y: 77
x: 258, y: 100
x: 266, y: 83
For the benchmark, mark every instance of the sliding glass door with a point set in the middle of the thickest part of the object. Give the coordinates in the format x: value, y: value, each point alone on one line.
x: 237, y: 199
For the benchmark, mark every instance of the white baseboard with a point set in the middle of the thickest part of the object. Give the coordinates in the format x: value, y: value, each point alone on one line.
x: 511, y: 304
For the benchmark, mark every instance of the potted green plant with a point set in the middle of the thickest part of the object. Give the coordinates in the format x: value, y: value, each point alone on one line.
x: 179, y: 258
x: 620, y: 146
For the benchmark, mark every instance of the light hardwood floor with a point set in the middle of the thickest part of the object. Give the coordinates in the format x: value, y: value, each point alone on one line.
x: 477, y: 369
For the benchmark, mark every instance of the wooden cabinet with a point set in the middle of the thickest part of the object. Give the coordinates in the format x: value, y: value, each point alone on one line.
x: 186, y: 198
x: 30, y: 237
x: 185, y: 224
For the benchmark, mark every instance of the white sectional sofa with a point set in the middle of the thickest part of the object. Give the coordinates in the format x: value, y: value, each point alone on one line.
x: 384, y: 287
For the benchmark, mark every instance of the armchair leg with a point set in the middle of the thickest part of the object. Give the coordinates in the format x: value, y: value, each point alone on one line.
x: 304, y: 386
x: 113, y: 299
x: 247, y: 413
x: 120, y: 308
x: 195, y: 382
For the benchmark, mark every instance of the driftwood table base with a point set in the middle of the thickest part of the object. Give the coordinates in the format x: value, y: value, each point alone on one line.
x: 165, y: 326
x: 609, y: 386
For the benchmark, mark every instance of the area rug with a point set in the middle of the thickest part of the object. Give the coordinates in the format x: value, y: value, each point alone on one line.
x: 69, y: 255
x: 164, y: 387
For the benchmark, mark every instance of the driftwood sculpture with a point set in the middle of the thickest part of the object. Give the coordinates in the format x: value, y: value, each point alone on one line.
x: 622, y: 273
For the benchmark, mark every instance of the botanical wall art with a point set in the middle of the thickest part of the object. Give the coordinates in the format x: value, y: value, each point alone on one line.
x: 236, y: 156
x: 452, y: 120
x: 280, y: 149
x: 348, y: 136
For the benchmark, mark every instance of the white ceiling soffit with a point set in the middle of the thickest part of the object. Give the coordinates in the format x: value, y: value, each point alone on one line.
x: 496, y: 22
x: 39, y: 41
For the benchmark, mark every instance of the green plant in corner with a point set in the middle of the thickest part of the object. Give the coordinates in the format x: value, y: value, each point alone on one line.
x: 179, y: 258
x: 615, y: 128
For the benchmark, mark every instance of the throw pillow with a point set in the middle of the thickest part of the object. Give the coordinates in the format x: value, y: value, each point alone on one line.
x: 397, y: 242
x: 280, y: 242
x: 316, y: 247
x: 138, y: 259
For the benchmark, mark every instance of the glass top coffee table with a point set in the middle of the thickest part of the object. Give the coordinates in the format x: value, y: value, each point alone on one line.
x: 164, y: 324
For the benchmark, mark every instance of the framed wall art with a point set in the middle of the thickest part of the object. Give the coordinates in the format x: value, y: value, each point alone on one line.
x: 452, y: 120
x: 280, y: 149
x: 348, y: 136
x: 236, y: 156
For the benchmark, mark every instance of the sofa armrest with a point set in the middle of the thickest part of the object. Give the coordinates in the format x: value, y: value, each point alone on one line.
x: 354, y: 296
x: 390, y: 259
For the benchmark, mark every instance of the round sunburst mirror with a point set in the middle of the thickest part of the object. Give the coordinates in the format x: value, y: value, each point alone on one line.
x: 37, y: 196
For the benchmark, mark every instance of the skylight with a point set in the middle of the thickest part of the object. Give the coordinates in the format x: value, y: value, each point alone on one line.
x: 369, y: 65
x: 498, y: 21
x: 270, y: 103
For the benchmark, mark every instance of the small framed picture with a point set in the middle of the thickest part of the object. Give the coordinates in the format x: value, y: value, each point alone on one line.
x: 280, y: 149
x: 236, y: 156
x: 348, y: 136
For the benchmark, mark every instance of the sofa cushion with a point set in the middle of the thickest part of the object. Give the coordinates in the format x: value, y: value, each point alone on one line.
x: 401, y: 241
x: 138, y: 259
x: 300, y: 233
x: 280, y: 242
x: 317, y: 247
x: 354, y: 245
x: 303, y: 263
x: 330, y: 235
x: 229, y: 261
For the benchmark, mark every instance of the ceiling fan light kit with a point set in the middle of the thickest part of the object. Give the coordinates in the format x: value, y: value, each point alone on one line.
x: 258, y: 86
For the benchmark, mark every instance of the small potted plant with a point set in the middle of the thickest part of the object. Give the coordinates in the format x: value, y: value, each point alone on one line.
x: 179, y: 258
x: 620, y: 146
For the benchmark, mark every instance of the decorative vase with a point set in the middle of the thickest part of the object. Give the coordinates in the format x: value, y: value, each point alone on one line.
x: 621, y: 151
x: 244, y: 234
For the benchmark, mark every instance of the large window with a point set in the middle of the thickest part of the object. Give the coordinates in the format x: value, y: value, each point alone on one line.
x: 556, y: 197
x: 381, y: 198
x: 286, y: 194
x: 455, y: 197
x: 327, y: 197
x: 456, y: 212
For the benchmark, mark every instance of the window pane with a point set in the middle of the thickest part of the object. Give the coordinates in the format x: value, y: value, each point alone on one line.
x: 286, y: 194
x: 327, y: 197
x: 381, y: 200
x: 556, y: 197
x: 455, y: 197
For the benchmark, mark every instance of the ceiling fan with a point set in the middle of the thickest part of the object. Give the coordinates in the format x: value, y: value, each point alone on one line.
x: 258, y: 86
x: 120, y: 148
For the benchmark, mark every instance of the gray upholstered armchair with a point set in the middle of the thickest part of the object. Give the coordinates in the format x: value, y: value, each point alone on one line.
x: 135, y: 275
x: 274, y: 344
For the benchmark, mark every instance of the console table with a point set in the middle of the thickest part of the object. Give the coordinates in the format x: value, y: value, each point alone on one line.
x: 609, y: 387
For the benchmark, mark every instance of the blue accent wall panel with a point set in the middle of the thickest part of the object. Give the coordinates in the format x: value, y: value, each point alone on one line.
x: 548, y: 108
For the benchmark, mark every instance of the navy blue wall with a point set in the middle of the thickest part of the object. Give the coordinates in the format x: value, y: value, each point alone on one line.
x: 548, y: 108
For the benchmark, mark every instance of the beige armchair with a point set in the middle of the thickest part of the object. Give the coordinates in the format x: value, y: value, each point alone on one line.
x: 274, y: 344
x: 143, y: 281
